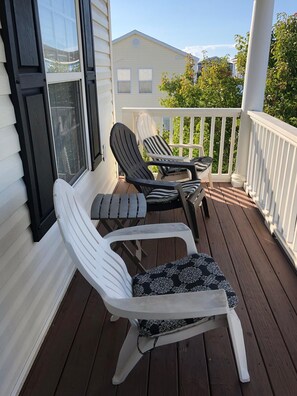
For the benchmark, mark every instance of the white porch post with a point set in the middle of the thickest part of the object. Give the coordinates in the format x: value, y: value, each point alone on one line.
x: 255, y: 80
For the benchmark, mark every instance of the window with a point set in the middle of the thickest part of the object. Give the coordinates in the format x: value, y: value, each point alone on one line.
x: 53, y: 90
x: 145, y: 78
x: 62, y: 57
x: 59, y: 33
x: 68, y: 129
x: 124, y: 80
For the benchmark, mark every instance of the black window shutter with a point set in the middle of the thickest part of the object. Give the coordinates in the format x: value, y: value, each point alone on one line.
x: 25, y: 66
x: 90, y: 82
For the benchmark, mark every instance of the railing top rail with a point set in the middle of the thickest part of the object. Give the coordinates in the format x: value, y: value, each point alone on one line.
x: 275, y: 125
x: 185, y: 112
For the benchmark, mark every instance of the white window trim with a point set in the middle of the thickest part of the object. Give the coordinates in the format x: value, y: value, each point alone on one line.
x: 55, y: 78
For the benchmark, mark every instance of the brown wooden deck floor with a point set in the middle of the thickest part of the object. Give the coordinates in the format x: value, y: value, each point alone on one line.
x: 80, y: 352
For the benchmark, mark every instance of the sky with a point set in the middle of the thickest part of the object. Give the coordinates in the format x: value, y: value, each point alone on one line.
x: 190, y: 25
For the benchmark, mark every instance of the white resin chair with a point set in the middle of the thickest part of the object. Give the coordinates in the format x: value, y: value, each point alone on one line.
x: 158, y: 149
x: 106, y: 272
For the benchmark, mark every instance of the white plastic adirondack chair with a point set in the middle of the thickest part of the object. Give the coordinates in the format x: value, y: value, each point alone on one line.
x: 106, y: 272
x: 161, y: 150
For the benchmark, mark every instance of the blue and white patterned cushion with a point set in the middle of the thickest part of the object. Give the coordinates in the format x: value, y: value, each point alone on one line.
x: 196, y: 272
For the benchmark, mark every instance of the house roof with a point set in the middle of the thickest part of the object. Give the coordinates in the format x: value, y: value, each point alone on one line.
x: 152, y: 39
x: 217, y: 58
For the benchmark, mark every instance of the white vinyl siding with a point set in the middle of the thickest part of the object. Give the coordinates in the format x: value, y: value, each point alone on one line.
x: 35, y: 276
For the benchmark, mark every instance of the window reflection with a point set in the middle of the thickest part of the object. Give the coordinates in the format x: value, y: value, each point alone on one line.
x: 59, y: 35
x: 67, y: 129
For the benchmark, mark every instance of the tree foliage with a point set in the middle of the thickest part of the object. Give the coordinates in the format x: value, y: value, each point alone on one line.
x: 214, y: 87
x: 218, y: 87
x: 241, y: 45
x: 281, y: 84
x: 182, y: 91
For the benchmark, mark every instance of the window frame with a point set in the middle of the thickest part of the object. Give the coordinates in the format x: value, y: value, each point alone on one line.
x: 145, y: 81
x: 64, y: 77
x: 119, y: 81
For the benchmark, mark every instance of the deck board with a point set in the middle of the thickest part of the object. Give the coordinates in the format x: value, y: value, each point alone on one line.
x: 80, y: 352
x: 49, y: 364
x: 75, y: 376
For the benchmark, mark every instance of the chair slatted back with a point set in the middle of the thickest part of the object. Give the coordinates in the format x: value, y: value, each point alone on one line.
x: 125, y: 149
x: 157, y: 145
x: 103, y: 269
x: 147, y: 132
x: 146, y: 126
x: 151, y: 141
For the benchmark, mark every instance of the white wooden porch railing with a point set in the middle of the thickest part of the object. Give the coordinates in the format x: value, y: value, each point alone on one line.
x: 272, y: 176
x: 219, y: 124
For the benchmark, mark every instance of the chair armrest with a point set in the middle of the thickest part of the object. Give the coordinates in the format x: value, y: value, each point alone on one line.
x: 186, y: 145
x: 154, y: 231
x: 170, y: 306
x: 172, y: 164
x: 166, y: 157
x: 153, y: 183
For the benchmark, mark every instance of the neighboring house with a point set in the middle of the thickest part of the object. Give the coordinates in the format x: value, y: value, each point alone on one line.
x: 138, y: 64
x: 65, y: 91
x: 231, y: 65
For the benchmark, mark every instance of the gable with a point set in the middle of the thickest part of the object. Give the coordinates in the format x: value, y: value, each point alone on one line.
x: 144, y: 45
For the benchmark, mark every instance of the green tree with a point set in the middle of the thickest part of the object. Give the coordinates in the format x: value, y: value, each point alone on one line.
x: 214, y: 87
x: 217, y: 85
x: 182, y: 91
x: 281, y: 84
x: 241, y: 45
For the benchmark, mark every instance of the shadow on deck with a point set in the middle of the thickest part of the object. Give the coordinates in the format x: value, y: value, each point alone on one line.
x: 79, y: 354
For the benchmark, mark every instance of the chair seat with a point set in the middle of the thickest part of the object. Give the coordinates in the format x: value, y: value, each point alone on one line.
x: 197, y: 272
x: 160, y: 195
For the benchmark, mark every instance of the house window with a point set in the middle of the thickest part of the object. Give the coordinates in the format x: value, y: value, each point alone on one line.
x: 124, y: 80
x: 145, y: 78
x: 62, y: 57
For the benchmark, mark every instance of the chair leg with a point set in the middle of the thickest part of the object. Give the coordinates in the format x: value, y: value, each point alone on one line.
x: 210, y: 179
x: 238, y: 345
x: 193, y: 220
x: 205, y: 206
x: 130, y: 355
